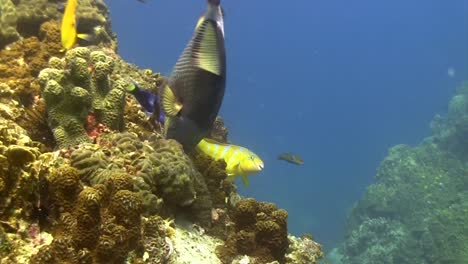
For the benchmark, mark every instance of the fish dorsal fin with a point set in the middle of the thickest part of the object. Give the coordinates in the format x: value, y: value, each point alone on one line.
x: 170, y: 105
x: 206, y: 48
x: 212, y: 141
x: 199, y: 22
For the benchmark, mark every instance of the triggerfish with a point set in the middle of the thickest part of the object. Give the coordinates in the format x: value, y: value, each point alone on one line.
x: 68, y: 29
x: 192, y: 96
x: 239, y: 160
x: 291, y: 158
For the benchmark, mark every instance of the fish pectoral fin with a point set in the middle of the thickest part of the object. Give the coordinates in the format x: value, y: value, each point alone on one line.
x: 87, y: 37
x: 245, y: 180
x: 170, y: 105
x: 199, y: 22
x: 232, y: 168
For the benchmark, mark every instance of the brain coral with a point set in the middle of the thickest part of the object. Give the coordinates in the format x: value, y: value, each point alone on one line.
x: 160, y: 171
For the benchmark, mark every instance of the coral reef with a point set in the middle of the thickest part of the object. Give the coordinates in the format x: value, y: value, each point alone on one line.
x: 19, y: 172
x: 21, y: 19
x: 303, y: 250
x: 80, y: 95
x: 259, y: 231
x: 22, y: 61
x: 161, y: 171
x: 104, y: 195
x: 418, y: 202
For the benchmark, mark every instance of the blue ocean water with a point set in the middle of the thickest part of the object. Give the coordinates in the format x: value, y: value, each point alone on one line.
x: 336, y: 82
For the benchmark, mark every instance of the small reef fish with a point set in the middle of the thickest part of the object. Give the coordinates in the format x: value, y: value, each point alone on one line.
x: 291, y: 158
x: 192, y: 96
x: 239, y: 160
x: 68, y: 28
x: 148, y: 100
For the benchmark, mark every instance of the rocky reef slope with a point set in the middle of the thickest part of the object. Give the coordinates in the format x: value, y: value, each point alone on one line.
x: 417, y: 209
x: 85, y: 175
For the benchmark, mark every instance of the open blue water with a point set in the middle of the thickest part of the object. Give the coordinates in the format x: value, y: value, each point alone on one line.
x: 338, y: 82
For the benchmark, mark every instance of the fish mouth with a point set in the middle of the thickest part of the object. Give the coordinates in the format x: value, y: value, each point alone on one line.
x: 260, y: 166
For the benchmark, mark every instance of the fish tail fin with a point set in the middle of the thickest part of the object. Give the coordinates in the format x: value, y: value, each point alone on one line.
x: 184, y: 130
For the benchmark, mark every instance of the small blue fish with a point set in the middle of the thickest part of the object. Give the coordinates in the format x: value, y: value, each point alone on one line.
x: 148, y: 100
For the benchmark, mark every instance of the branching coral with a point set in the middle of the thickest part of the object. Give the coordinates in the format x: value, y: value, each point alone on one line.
x: 79, y: 86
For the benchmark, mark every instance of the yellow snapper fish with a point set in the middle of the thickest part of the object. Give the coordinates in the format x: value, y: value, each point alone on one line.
x: 68, y: 28
x: 192, y: 96
x: 239, y: 160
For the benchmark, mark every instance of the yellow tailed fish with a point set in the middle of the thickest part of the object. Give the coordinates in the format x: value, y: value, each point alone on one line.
x: 68, y: 28
x: 192, y: 96
x: 239, y: 160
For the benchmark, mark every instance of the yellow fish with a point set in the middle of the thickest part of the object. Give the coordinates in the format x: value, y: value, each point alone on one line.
x: 68, y: 29
x: 239, y: 160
